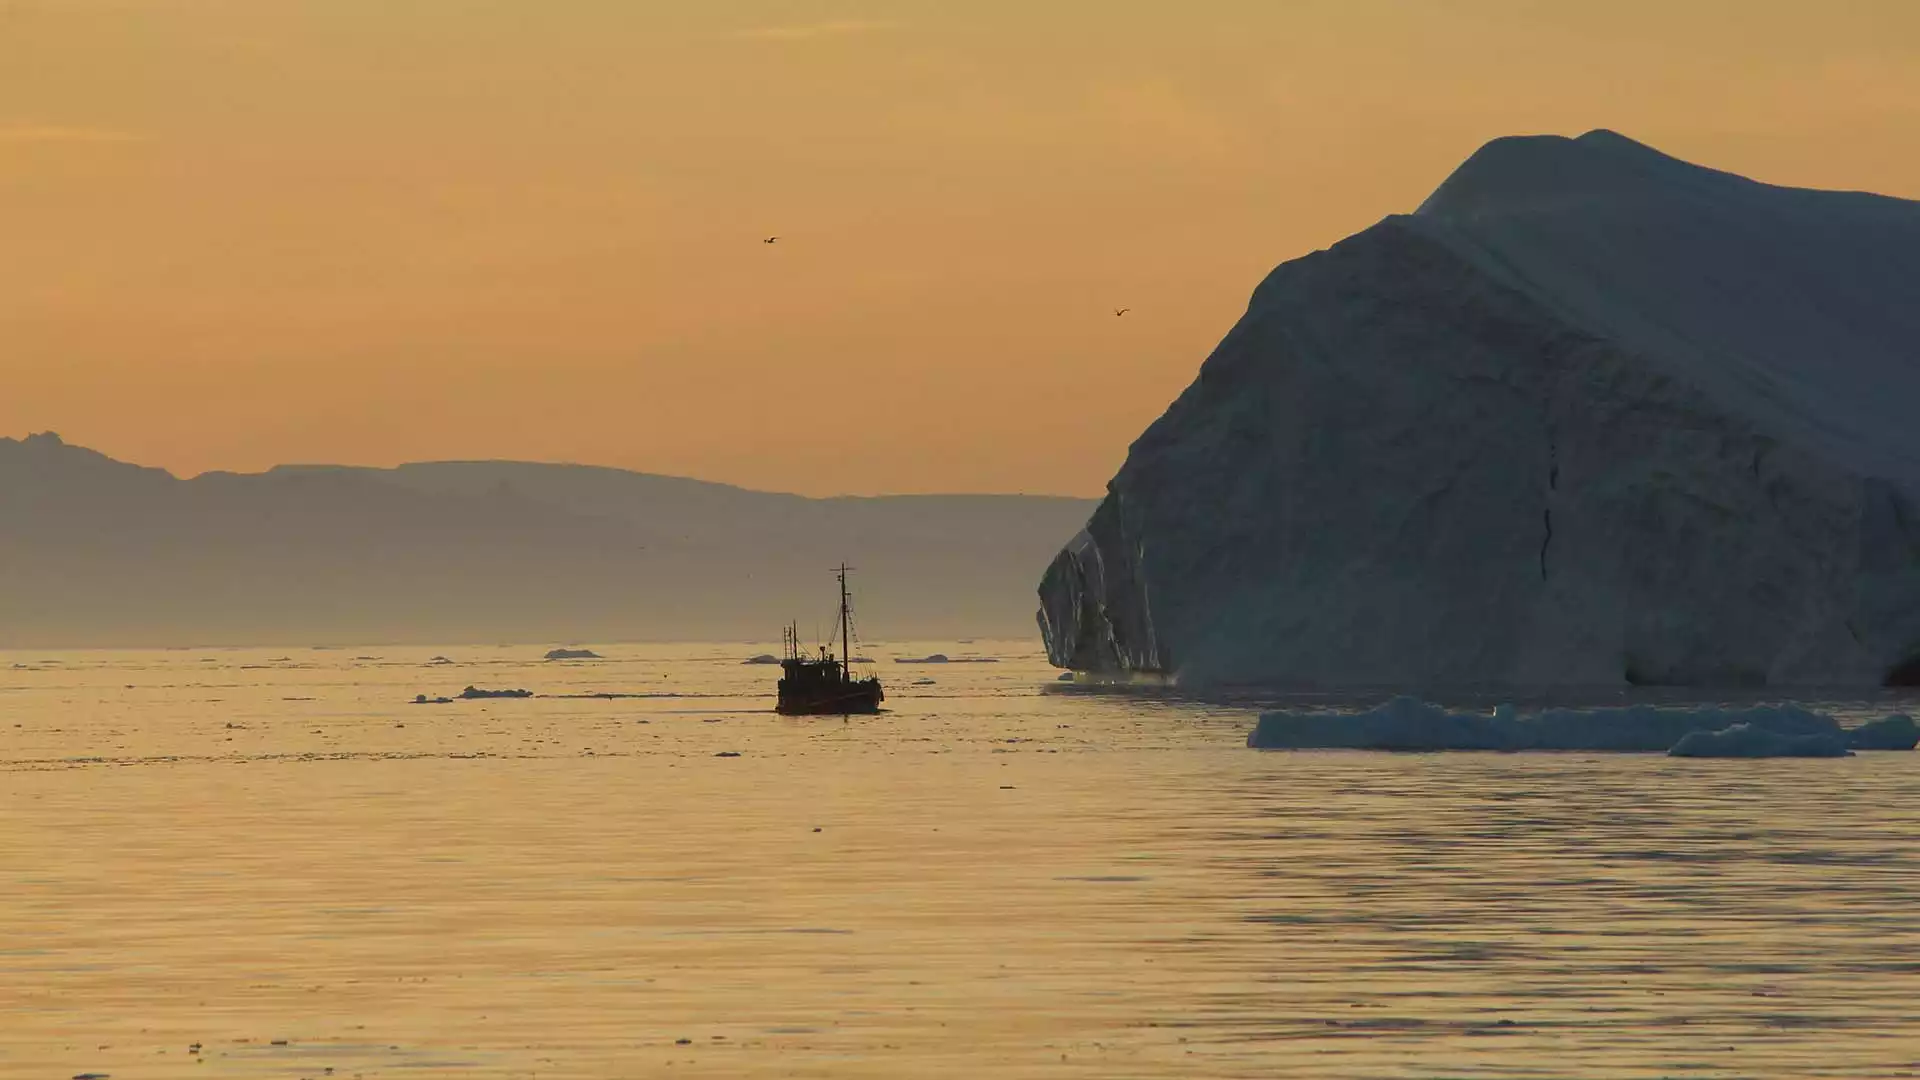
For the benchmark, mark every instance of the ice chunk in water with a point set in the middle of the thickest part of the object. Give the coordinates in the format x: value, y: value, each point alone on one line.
x: 1747, y: 741
x: 1409, y: 724
x: 1897, y: 732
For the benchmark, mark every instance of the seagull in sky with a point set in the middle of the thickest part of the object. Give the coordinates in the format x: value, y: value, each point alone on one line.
x: 770, y: 239
x: 1119, y: 311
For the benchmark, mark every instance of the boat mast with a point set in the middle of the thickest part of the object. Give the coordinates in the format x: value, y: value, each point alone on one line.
x: 846, y: 635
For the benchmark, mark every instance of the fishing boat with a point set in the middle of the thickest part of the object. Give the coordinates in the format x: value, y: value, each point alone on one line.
x: 823, y: 684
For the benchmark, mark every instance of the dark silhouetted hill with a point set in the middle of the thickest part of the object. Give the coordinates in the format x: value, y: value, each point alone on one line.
x: 95, y: 551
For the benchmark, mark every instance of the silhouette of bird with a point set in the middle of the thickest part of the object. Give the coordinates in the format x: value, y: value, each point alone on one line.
x: 1119, y: 311
x: 770, y: 240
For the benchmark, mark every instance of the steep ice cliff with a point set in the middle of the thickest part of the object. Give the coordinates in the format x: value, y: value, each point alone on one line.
x: 1590, y: 416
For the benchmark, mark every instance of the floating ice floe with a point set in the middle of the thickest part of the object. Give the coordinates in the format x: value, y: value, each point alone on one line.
x: 472, y: 692
x: 1897, y: 732
x: 1747, y: 741
x: 1409, y: 724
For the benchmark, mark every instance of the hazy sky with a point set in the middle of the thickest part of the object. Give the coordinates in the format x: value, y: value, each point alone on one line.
x: 241, y: 232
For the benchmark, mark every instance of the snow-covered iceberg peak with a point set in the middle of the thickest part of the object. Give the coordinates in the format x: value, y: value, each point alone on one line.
x: 1534, y: 174
x: 1592, y: 415
x: 1796, y: 309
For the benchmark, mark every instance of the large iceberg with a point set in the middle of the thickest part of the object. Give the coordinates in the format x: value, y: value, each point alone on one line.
x: 1591, y: 416
x: 1406, y: 723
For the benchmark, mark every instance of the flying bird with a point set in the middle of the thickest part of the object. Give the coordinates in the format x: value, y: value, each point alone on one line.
x: 1119, y: 311
x: 770, y: 240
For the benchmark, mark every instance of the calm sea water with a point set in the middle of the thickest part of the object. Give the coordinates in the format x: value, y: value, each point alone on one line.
x: 273, y: 855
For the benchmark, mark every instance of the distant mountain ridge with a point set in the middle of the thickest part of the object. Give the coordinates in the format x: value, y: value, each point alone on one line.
x: 99, y: 552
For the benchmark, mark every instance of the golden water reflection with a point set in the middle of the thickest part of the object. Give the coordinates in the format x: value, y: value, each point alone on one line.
x: 247, y: 851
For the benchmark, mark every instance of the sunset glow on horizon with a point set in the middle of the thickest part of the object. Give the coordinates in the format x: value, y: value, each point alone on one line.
x: 247, y: 232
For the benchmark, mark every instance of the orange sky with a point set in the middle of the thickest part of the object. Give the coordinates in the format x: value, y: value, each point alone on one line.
x: 241, y: 232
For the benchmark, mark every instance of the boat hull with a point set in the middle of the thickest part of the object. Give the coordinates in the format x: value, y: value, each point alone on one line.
x: 844, y: 700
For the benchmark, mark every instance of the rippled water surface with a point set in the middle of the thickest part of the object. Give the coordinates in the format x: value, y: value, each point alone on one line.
x: 273, y: 855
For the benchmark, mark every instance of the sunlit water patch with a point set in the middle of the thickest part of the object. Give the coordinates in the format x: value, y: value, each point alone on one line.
x: 226, y: 863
